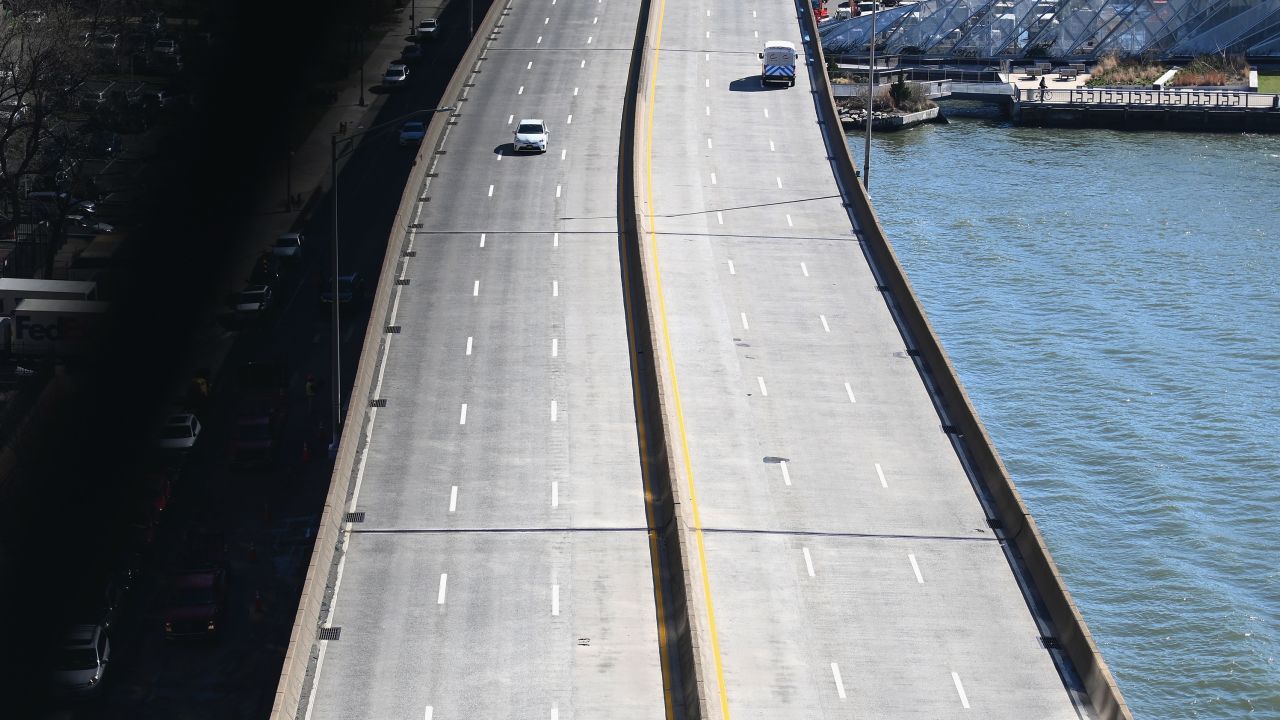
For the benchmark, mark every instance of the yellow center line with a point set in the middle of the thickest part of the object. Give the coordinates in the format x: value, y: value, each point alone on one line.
x: 671, y: 365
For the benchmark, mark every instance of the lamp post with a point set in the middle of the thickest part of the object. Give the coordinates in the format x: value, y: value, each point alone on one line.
x: 871, y: 99
x: 336, y: 379
x: 360, y: 58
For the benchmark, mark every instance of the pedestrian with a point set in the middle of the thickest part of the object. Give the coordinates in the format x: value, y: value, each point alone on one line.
x: 311, y: 391
x: 1043, y: 88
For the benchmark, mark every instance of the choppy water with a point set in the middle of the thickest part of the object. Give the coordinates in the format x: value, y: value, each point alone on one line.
x: 1112, y: 303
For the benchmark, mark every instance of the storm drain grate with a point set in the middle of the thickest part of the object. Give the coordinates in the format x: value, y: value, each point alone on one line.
x: 393, y: 329
x: 1049, y: 643
x: 330, y: 633
x: 380, y: 402
x: 950, y: 430
x: 354, y: 517
x: 412, y: 253
x: 995, y: 524
x: 402, y: 281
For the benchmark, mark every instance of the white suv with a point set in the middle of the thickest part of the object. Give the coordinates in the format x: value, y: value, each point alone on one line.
x: 531, y: 136
x: 428, y: 28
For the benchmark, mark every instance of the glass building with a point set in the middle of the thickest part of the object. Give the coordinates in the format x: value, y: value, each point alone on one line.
x: 1063, y: 28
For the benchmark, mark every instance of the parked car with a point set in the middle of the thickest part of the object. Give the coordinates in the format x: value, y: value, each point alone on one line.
x: 254, y: 442
x: 531, y: 136
x: 266, y: 271
x: 253, y: 301
x: 179, y: 432
x: 350, y: 288
x: 166, y: 46
x: 81, y: 658
x: 412, y: 132
x: 94, y: 94
x: 411, y: 54
x: 289, y: 246
x: 397, y: 74
x: 194, y: 608
x: 428, y: 29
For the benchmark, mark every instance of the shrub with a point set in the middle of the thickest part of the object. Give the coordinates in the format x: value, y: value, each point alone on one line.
x: 1212, y: 70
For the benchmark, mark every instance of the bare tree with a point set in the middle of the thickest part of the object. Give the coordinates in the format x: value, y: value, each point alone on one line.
x: 42, y: 64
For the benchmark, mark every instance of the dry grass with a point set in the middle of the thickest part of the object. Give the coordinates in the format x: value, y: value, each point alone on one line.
x: 1212, y: 71
x: 1112, y: 71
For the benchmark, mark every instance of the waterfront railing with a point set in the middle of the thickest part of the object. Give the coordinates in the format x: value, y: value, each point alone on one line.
x: 1199, y: 99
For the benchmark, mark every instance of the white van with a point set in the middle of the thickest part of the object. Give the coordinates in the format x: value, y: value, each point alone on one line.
x: 15, y: 290
x: 778, y: 63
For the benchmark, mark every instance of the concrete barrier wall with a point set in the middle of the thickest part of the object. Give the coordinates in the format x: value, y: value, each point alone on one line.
x: 316, y: 593
x: 1018, y: 527
x: 672, y: 533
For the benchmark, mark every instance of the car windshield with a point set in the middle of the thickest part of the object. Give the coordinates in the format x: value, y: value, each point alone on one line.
x: 428, y: 23
x: 287, y: 242
x: 413, y: 127
x: 176, y: 432
x: 252, y: 296
x: 529, y: 129
x: 78, y: 659
x: 393, y: 72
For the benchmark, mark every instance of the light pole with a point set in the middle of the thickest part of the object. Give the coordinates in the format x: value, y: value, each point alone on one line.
x: 871, y: 99
x: 471, y: 18
x: 413, y: 20
x: 336, y: 379
x: 360, y: 59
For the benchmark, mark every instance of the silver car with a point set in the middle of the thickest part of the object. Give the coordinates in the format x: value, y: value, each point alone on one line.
x: 288, y: 247
x: 531, y: 136
x: 81, y: 660
x: 396, y: 75
x: 179, y: 432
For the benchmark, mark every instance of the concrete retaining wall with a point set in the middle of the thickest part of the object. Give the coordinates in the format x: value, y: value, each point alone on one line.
x: 317, y: 589
x: 1018, y: 527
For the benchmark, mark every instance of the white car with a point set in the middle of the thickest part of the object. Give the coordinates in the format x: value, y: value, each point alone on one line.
x: 428, y: 28
x: 82, y: 659
x: 179, y: 432
x: 412, y: 132
x: 531, y: 136
x: 397, y: 74
x: 288, y: 247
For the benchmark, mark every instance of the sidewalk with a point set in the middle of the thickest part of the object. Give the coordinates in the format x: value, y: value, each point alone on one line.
x: 308, y: 179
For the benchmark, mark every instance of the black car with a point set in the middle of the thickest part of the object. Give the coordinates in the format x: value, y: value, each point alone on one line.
x: 266, y: 271
x: 350, y: 289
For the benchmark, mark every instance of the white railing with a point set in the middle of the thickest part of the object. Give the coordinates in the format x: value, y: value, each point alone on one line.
x: 1224, y: 99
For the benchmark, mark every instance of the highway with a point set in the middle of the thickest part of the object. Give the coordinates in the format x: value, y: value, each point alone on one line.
x: 845, y: 564
x: 502, y: 565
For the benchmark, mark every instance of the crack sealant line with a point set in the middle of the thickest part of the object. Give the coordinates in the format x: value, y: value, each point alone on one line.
x: 671, y: 365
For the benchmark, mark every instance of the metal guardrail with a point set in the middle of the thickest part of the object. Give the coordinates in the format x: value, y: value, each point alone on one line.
x: 982, y: 88
x: 1200, y: 99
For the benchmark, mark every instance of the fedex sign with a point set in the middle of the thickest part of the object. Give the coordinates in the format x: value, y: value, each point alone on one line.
x: 45, y: 333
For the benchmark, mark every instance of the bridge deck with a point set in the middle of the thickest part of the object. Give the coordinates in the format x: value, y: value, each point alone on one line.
x: 850, y: 568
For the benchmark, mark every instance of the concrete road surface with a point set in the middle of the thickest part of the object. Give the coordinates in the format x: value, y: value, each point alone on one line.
x: 850, y: 566
x: 502, y: 569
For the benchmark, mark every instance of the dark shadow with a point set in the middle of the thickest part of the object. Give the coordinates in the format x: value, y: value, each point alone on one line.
x: 751, y: 83
x: 505, y: 149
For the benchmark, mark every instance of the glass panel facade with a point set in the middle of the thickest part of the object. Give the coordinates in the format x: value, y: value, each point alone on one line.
x: 1080, y: 29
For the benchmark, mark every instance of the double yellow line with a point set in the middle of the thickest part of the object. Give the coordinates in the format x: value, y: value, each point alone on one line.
x: 671, y: 369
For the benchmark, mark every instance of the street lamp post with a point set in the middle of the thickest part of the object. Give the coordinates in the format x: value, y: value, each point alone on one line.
x: 336, y: 379
x: 871, y: 98
x: 360, y: 58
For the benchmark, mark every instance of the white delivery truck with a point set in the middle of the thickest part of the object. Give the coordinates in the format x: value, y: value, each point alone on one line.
x: 778, y: 63
x: 15, y: 290
x: 59, y: 328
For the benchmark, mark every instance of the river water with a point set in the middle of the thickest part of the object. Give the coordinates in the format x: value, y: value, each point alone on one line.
x: 1112, y: 303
